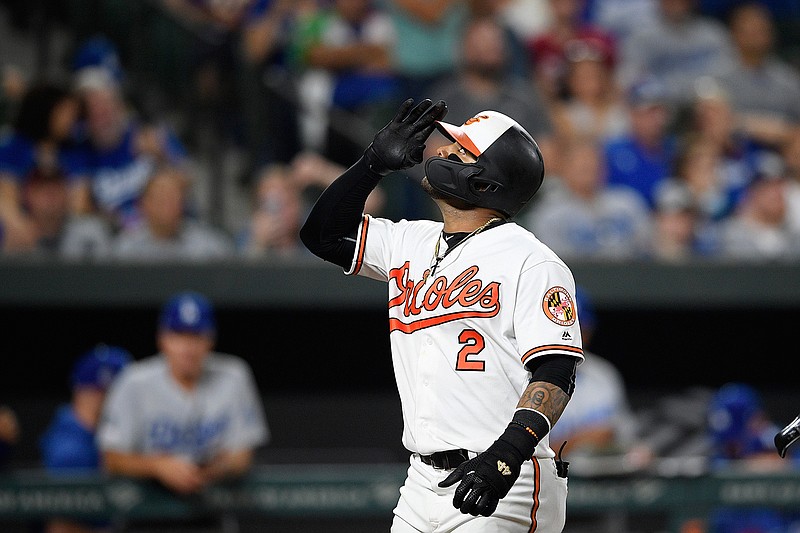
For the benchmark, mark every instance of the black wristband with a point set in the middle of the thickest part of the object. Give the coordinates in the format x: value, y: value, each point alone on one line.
x: 526, y: 429
x: 374, y: 162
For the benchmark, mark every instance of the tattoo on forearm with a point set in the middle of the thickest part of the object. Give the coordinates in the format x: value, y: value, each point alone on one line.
x: 546, y: 398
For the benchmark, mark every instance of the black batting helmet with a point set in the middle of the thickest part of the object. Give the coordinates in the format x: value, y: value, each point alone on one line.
x: 509, y: 169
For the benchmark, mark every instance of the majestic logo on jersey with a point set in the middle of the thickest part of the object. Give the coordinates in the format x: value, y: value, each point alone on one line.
x: 557, y: 305
x: 469, y: 295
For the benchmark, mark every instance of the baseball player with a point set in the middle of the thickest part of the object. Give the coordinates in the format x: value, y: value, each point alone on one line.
x: 483, y: 326
x: 187, y: 416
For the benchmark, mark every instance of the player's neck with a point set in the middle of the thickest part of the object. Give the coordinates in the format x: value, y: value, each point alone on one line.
x: 460, y: 221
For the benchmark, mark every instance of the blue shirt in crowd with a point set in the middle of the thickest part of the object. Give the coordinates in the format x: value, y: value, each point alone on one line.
x: 118, y: 175
x: 67, y: 444
x: 632, y: 165
x: 18, y: 158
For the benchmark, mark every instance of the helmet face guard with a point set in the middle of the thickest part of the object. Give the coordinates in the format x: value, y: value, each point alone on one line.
x: 509, y: 167
x: 463, y: 181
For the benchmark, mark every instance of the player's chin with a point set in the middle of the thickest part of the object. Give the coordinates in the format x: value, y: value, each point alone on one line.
x: 433, y: 193
x: 445, y: 198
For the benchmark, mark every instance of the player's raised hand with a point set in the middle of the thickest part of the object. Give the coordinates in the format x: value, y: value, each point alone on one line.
x: 485, y: 479
x: 400, y: 144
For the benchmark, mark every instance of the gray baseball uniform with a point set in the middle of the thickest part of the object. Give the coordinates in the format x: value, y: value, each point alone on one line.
x: 146, y: 411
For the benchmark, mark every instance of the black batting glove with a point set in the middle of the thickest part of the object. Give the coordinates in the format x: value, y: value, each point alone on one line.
x: 487, y: 478
x: 400, y: 144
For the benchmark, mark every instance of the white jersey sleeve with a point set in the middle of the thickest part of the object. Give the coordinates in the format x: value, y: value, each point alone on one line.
x: 546, y: 318
x: 379, y: 239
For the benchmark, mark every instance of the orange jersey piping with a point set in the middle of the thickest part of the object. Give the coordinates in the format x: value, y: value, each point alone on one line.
x: 361, y: 245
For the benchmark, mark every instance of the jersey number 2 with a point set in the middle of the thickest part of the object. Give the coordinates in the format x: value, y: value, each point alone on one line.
x: 473, y: 343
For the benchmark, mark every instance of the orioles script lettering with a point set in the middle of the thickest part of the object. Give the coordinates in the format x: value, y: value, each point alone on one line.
x: 465, y: 289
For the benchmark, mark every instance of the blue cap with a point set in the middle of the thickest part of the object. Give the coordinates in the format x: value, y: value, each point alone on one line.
x: 730, y: 412
x: 99, y: 52
x: 99, y: 366
x: 188, y: 312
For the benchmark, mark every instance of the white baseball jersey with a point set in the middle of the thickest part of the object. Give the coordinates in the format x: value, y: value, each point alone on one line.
x: 147, y: 412
x: 460, y: 338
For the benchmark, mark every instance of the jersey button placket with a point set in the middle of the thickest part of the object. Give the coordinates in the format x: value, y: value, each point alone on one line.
x: 426, y: 394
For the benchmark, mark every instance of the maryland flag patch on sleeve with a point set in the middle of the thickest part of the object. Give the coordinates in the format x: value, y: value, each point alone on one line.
x: 559, y: 306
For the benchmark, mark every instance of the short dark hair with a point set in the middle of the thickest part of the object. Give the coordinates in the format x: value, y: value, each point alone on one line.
x: 33, y: 116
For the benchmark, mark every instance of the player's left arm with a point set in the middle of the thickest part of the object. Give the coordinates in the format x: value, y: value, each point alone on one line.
x: 488, y: 477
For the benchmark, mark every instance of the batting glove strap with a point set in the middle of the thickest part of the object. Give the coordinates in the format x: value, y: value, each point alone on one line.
x: 375, y: 163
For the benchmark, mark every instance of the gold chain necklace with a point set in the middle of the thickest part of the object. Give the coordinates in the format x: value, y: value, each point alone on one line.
x: 436, y: 259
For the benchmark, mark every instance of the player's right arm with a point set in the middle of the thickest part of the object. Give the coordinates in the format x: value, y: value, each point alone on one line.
x: 329, y: 232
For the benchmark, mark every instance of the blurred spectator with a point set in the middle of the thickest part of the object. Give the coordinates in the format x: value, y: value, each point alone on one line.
x: 187, y: 416
x: 351, y: 43
x: 764, y: 90
x: 712, y: 120
x: 598, y: 420
x: 483, y: 82
x: 584, y: 218
x: 567, y: 36
x: 312, y: 173
x: 790, y: 152
x: 166, y: 232
x: 283, y: 195
x: 623, y: 17
x: 13, y: 84
x: 593, y: 105
x: 428, y: 33
x: 57, y: 232
x: 9, y: 433
x: 526, y: 18
x: 119, y: 151
x: 40, y: 138
x: 642, y: 159
x: 277, y: 216
x: 68, y: 444
x: 680, y: 233
x: 517, y: 63
x: 759, y: 229
x: 680, y: 47
x: 699, y: 167
x: 739, y: 428
x: 741, y: 435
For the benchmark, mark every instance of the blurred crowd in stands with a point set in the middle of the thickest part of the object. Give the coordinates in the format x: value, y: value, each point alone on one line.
x: 204, y: 130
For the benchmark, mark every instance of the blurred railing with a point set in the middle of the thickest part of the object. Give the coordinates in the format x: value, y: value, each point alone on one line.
x: 311, y: 283
x: 364, y: 490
